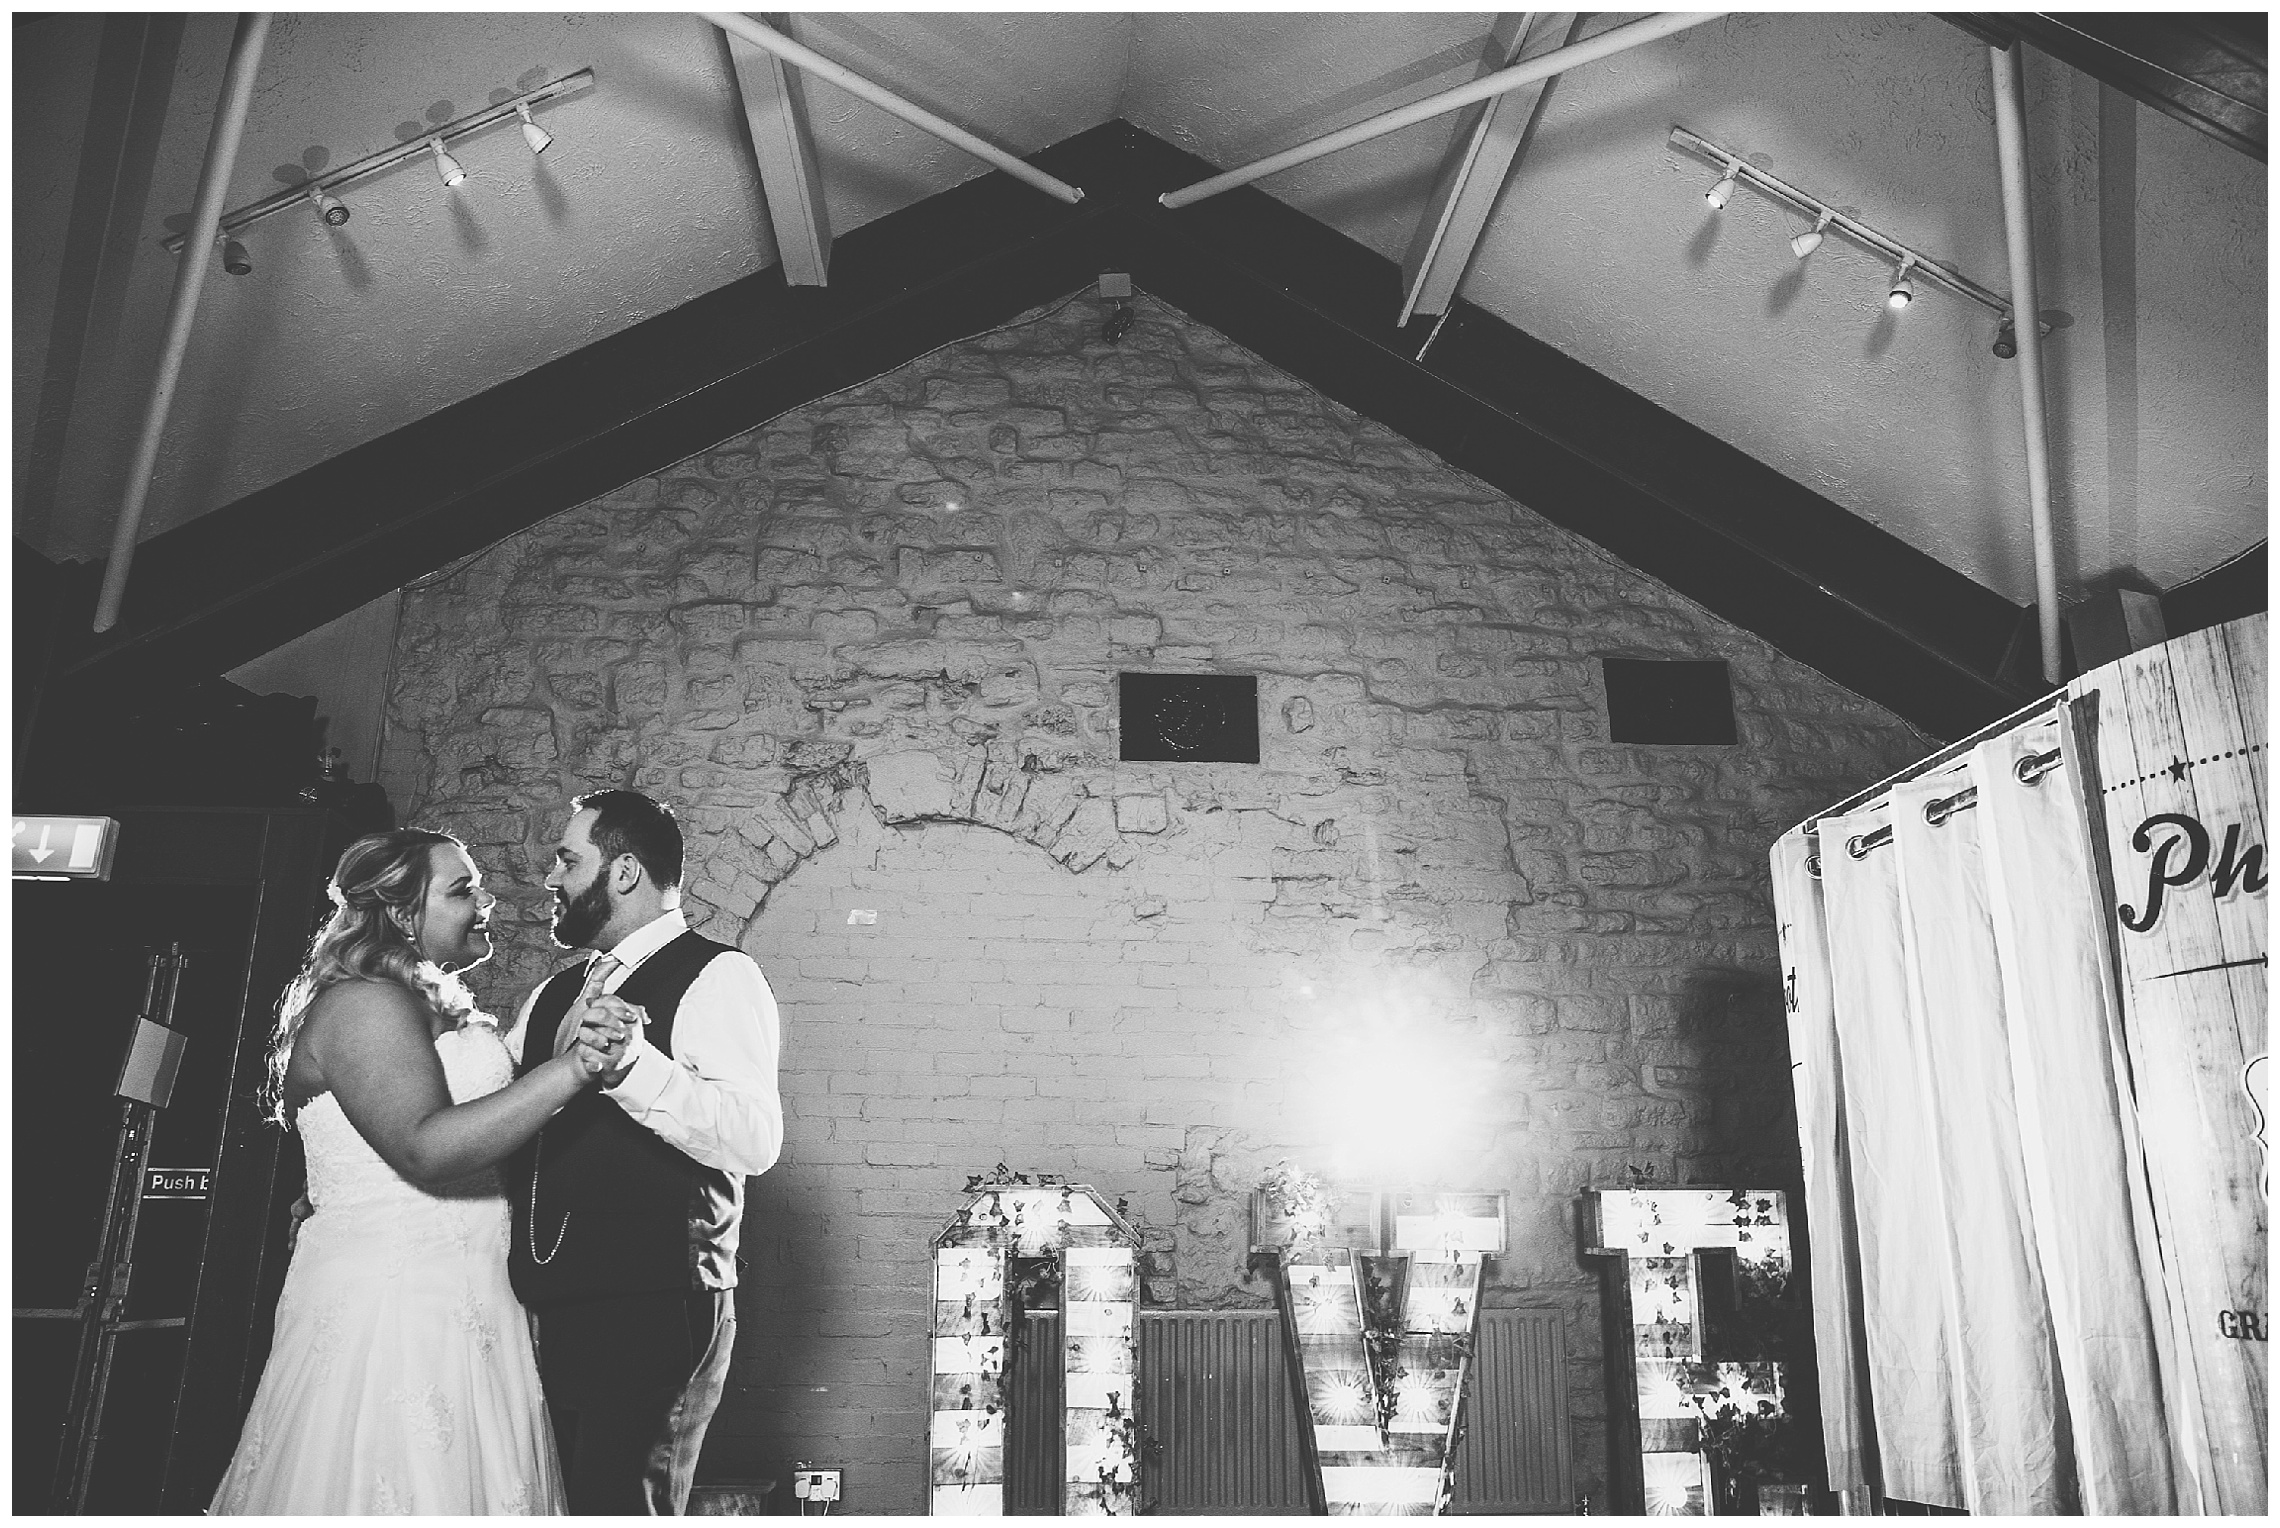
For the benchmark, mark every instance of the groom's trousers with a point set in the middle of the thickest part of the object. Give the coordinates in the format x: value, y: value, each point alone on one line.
x: 631, y: 1384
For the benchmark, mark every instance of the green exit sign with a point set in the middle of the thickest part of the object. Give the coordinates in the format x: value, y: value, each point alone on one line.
x: 64, y: 848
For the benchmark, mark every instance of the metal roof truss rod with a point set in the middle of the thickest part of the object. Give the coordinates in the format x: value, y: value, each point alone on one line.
x: 1608, y: 43
x: 846, y: 79
x: 182, y: 308
x: 2011, y: 151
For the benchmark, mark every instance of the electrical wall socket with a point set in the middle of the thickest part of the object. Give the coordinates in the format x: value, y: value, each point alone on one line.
x: 815, y: 1485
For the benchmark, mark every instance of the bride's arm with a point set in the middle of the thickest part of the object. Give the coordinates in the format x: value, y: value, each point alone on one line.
x: 372, y: 1044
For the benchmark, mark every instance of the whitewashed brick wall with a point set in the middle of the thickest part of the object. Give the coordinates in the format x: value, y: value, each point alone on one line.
x: 870, y: 651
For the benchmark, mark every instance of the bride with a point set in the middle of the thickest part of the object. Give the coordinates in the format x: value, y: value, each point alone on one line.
x: 402, y: 1377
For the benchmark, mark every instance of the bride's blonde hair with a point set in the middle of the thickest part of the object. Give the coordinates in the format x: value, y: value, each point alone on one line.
x: 378, y: 876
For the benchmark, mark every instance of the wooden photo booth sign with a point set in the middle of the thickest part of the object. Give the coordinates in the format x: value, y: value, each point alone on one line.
x: 2179, y: 792
x: 1008, y: 1216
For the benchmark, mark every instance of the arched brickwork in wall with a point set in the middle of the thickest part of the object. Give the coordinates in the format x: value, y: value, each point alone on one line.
x: 894, y: 618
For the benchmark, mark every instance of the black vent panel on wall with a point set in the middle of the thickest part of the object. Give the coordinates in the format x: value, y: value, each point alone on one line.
x: 1669, y: 700
x: 1188, y: 718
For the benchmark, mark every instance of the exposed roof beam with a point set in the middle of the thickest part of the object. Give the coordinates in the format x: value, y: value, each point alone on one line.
x: 1479, y: 163
x: 893, y: 105
x: 775, y: 114
x: 2206, y: 70
x: 1675, y: 502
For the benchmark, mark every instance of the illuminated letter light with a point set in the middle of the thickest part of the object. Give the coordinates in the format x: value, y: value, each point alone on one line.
x: 1013, y: 1215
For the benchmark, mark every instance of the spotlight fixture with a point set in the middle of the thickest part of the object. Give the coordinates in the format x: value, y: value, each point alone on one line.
x: 1903, y: 290
x: 1911, y: 267
x: 433, y: 139
x: 1805, y: 243
x: 2006, y: 345
x: 534, y: 135
x: 1119, y: 322
x: 446, y: 166
x: 235, y: 259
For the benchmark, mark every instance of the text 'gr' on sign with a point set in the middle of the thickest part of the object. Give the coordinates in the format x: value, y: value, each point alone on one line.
x: 177, y: 1182
x: 64, y: 848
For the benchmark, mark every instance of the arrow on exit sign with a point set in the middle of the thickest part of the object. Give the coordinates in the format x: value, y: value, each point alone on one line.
x: 64, y: 848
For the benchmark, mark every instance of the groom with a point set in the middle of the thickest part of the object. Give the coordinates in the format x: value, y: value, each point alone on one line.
x: 626, y: 1207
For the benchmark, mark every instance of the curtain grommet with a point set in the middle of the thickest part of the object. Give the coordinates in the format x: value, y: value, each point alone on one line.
x: 2034, y: 766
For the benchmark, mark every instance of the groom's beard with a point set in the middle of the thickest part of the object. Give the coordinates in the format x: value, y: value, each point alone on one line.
x: 578, y: 919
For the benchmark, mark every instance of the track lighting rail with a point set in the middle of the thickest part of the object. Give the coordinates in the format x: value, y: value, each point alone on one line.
x: 1827, y: 219
x: 322, y: 186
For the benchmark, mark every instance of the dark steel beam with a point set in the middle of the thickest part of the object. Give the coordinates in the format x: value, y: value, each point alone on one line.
x: 2204, y: 69
x: 1764, y: 552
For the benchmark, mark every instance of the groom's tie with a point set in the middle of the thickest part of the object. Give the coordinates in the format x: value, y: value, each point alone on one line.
x: 598, y: 973
x: 598, y: 976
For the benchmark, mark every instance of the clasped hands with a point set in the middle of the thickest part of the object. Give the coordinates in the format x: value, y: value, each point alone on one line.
x: 601, y: 1030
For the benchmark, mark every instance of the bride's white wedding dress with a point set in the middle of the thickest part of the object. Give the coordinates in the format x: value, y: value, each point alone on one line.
x: 402, y: 1377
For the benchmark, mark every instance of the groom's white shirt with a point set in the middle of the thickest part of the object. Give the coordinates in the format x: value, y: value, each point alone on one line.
x: 715, y: 1098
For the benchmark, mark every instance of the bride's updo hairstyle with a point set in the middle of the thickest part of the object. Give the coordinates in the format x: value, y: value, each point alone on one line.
x: 379, y: 877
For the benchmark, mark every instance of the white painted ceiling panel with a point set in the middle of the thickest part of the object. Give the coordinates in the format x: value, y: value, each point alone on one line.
x: 645, y: 200
x: 2152, y: 239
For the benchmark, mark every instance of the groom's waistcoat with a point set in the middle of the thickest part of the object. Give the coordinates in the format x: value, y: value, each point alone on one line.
x: 641, y: 1217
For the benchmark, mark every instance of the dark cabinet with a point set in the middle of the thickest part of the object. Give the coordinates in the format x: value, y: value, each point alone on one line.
x: 238, y: 893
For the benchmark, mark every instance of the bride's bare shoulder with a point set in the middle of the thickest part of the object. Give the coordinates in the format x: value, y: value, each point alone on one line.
x: 364, y: 993
x: 356, y: 1006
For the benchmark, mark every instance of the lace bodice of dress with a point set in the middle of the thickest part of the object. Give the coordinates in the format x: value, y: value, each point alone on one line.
x: 345, y: 1173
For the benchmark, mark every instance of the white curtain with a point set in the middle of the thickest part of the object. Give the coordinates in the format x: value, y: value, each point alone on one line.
x: 1977, y: 1213
x: 2093, y: 1237
x: 1907, y: 1289
x: 1816, y: 1070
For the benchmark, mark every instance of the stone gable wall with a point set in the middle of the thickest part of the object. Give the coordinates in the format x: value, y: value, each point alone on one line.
x: 870, y: 651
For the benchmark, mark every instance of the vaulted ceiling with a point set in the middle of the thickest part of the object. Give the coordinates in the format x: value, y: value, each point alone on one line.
x: 1600, y: 254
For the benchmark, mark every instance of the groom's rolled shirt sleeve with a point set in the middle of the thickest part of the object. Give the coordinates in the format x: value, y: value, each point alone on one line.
x: 715, y: 1098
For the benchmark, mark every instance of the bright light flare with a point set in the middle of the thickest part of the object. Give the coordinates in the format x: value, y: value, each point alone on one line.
x: 1346, y: 1401
x: 1418, y: 1396
x: 1398, y: 1087
x: 1677, y: 1485
x: 1099, y: 1281
x: 1321, y: 1312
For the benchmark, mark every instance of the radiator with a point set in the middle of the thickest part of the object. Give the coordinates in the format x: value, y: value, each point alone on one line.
x: 1217, y: 1413
x: 1514, y: 1457
x: 1033, y: 1432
